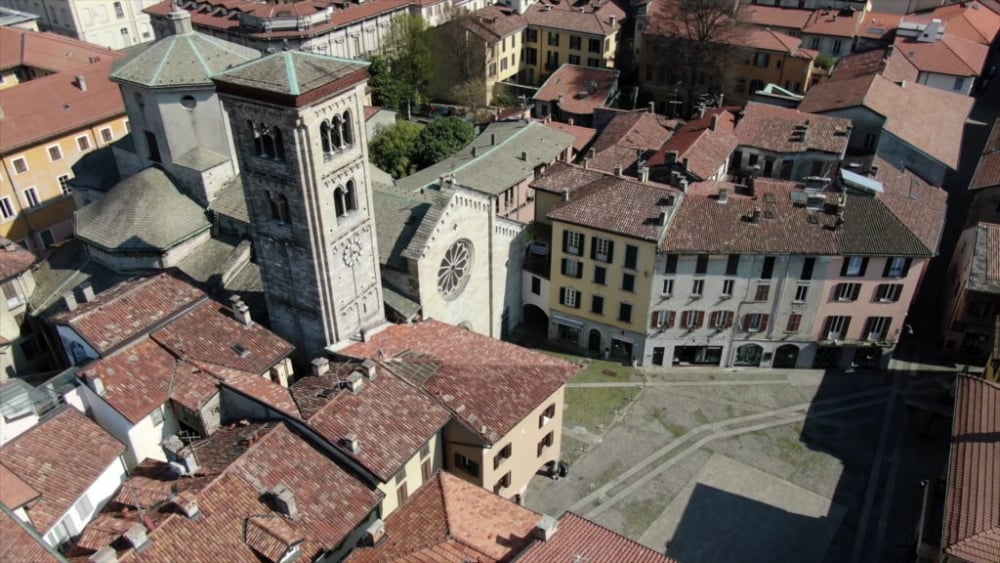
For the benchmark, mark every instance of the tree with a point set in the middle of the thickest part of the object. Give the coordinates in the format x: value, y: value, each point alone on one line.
x: 411, y: 55
x: 460, y: 74
x: 387, y: 90
x: 392, y: 148
x: 441, y: 139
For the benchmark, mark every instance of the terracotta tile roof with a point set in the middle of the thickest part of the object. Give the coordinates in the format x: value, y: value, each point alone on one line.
x: 18, y: 543
x: 972, y: 504
x: 579, y: 539
x: 493, y: 23
x: 15, y: 493
x: 563, y: 178
x: 770, y: 40
x: 331, y: 504
x: 894, y: 67
x: 628, y: 134
x: 496, y: 382
x: 578, y: 89
x: 211, y: 333
x: 835, y: 23
x: 254, y: 385
x: 582, y: 135
x: 386, y: 442
x: 920, y: 206
x: 773, y: 128
x: 606, y: 19
x: 449, y: 516
x: 705, y: 148
x: 618, y: 205
x: 775, y: 17
x: 14, y: 259
x: 216, y: 452
x: 950, y: 55
x: 191, y: 387
x: 703, y: 225
x: 905, y: 108
x: 971, y: 20
x: 136, y: 379
x: 50, y: 52
x: 988, y: 171
x: 130, y: 309
x: 39, y: 458
x: 54, y: 105
x: 879, y: 25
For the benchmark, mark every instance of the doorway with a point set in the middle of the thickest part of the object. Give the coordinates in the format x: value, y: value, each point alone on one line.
x: 658, y: 356
x: 594, y: 341
x: 786, y: 356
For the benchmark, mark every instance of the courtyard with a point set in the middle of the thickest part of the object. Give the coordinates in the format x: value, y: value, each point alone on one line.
x: 721, y: 464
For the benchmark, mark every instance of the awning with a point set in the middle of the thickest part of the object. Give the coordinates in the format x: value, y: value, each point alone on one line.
x: 572, y: 323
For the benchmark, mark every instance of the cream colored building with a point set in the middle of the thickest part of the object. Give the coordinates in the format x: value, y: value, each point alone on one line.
x: 115, y: 24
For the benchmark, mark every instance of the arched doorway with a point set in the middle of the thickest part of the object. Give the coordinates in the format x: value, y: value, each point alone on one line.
x: 786, y: 356
x: 749, y: 355
x: 534, y: 322
x: 594, y: 341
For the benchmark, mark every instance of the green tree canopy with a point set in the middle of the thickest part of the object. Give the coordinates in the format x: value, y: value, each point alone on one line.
x: 387, y: 90
x: 392, y: 148
x: 410, y: 43
x: 441, y: 139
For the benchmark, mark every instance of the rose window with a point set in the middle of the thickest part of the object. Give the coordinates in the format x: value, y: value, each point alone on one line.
x: 453, y: 273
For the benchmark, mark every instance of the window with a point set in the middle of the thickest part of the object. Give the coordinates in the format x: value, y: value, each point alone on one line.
x: 569, y: 297
x: 767, y: 270
x: 762, y: 60
x: 20, y: 165
x: 594, y: 45
x: 631, y: 256
x: 837, y: 46
x: 502, y: 456
x: 47, y: 238
x: 467, y: 465
x: 572, y: 268
x: 668, y: 287
x: 870, y: 140
x: 888, y: 292
x: 6, y: 208
x: 732, y: 264
x: 123, y: 31
x: 602, y: 250
x: 671, y: 266
x: 31, y: 197
x: 848, y: 291
x: 755, y: 322
x: 807, y: 269
x: 536, y: 285
x: 531, y: 58
x: 756, y: 86
x: 83, y: 508
x: 531, y: 35
x: 836, y: 327
x: 877, y: 328
x: 814, y: 43
x: 763, y: 291
x: 502, y: 484
x: 573, y: 243
x: 600, y: 275
x: 697, y: 287
x: 503, y: 64
x: 553, y: 39
x: 794, y: 320
x: 545, y: 443
x: 959, y: 83
x: 548, y: 414
x: 119, y: 11
x: 801, y: 292
x: 721, y: 319
x: 597, y: 305
x: 896, y: 267
x: 55, y: 153
x: 701, y: 266
x: 575, y: 42
x: 83, y: 142
x: 661, y: 319
x: 63, y: 180
x: 692, y: 319
x: 628, y: 282
x: 426, y: 469
x: 425, y: 451
x: 106, y: 135
x: 401, y: 493
x: 854, y: 266
x: 591, y: 61
x: 727, y: 288
x: 625, y: 313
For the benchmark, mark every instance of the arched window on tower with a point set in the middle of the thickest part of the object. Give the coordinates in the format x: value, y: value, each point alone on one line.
x: 337, y: 140
x: 350, y: 196
x: 278, y: 206
x: 272, y: 204
x: 279, y: 146
x: 283, y: 214
x: 324, y: 135
x: 348, y: 131
x: 338, y: 202
x: 258, y: 145
x: 266, y: 142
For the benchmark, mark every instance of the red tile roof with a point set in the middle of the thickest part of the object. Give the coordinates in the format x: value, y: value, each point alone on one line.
x: 952, y: 55
x: 47, y: 51
x: 628, y: 134
x: 18, y: 543
x: 15, y: 493
x: 770, y: 40
x: 879, y: 25
x: 582, y: 135
x: 919, y: 205
x: 331, y: 504
x: 130, y: 309
x: 604, y: 19
x: 136, y: 379
x: 617, y: 205
x: 39, y: 457
x: 892, y: 66
x: 578, y: 539
x: 496, y: 382
x: 447, y: 517
x: 970, y: 20
x: 706, y: 149
x: 210, y: 333
x: 988, y: 171
x: 835, y: 23
x: 972, y: 504
x: 578, y: 89
x: 254, y: 385
x: 775, y: 17
x: 14, y: 259
x: 386, y: 442
x: 772, y: 128
x: 493, y: 23
x: 563, y: 178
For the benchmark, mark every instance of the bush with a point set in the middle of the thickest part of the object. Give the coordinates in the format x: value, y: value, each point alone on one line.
x: 392, y: 148
x: 441, y: 139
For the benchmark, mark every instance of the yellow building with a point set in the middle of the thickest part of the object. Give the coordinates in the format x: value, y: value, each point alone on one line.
x: 62, y: 107
x: 770, y: 57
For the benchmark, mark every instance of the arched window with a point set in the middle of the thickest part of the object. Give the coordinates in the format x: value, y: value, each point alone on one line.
x: 337, y: 140
x: 273, y: 205
x: 266, y: 142
x: 348, y: 132
x: 258, y: 146
x: 350, y: 197
x: 283, y: 214
x: 324, y: 135
x: 279, y: 146
x: 338, y: 202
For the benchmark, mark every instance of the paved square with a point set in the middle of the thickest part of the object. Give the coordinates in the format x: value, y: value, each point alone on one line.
x: 762, y: 518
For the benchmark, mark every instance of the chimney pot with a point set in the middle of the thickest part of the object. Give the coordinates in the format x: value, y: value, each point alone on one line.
x: 320, y: 366
x: 546, y: 527
x: 351, y: 441
x: 136, y: 536
x: 98, y: 386
x: 723, y: 195
x: 652, y: 107
x: 106, y: 554
x: 368, y: 366
x: 284, y: 500
x: 715, y: 122
x: 70, y: 301
x: 755, y: 218
x: 493, y: 138
x: 618, y: 170
x: 87, y: 289
x: 644, y: 174
x: 81, y: 82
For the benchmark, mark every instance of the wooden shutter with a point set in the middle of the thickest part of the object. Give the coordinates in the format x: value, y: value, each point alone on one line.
x: 906, y: 266
x: 763, y: 322
x: 611, y: 251
x: 864, y: 266
x: 888, y: 266
x: 699, y: 317
x: 653, y: 318
x: 713, y: 319
x: 729, y: 318
x: 670, y: 319
x: 566, y: 242
x: 745, y: 324
x: 847, y: 326
x: 562, y: 295
x: 593, y: 249
x: 843, y: 267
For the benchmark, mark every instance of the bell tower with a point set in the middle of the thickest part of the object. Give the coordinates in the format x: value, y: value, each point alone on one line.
x: 300, y: 138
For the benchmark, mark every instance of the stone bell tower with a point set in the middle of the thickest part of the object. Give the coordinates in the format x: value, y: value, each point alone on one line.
x: 298, y: 126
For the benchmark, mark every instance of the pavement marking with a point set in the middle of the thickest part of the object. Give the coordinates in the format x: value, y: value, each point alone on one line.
x: 601, y: 384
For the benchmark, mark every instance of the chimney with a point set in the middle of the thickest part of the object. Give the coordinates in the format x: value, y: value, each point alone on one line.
x: 755, y: 218
x: 672, y: 157
x: 612, y: 21
x: 570, y: 121
x: 368, y: 367
x: 586, y: 163
x: 69, y: 300
x: 546, y: 528
x: 873, y: 170
x: 374, y: 533
x: 474, y: 151
x: 683, y: 185
x: 351, y: 441
x: 715, y: 122
x: 902, y: 84
x: 661, y: 219
x: 644, y: 174
x: 180, y: 21
x: 106, y: 554
x: 320, y: 366
x: 591, y: 152
x: 81, y: 82
x: 188, y: 503
x: 524, y: 156
x: 723, y: 196
x: 284, y: 500
x: 240, y: 311
x: 493, y: 139
x: 618, y: 170
x: 98, y: 386
x: 652, y: 107
x: 685, y: 162
x: 136, y: 536
x: 889, y: 51
x: 354, y: 382
x: 88, y: 292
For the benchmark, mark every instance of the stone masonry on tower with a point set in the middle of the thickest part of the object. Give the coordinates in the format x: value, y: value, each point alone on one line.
x: 302, y: 147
